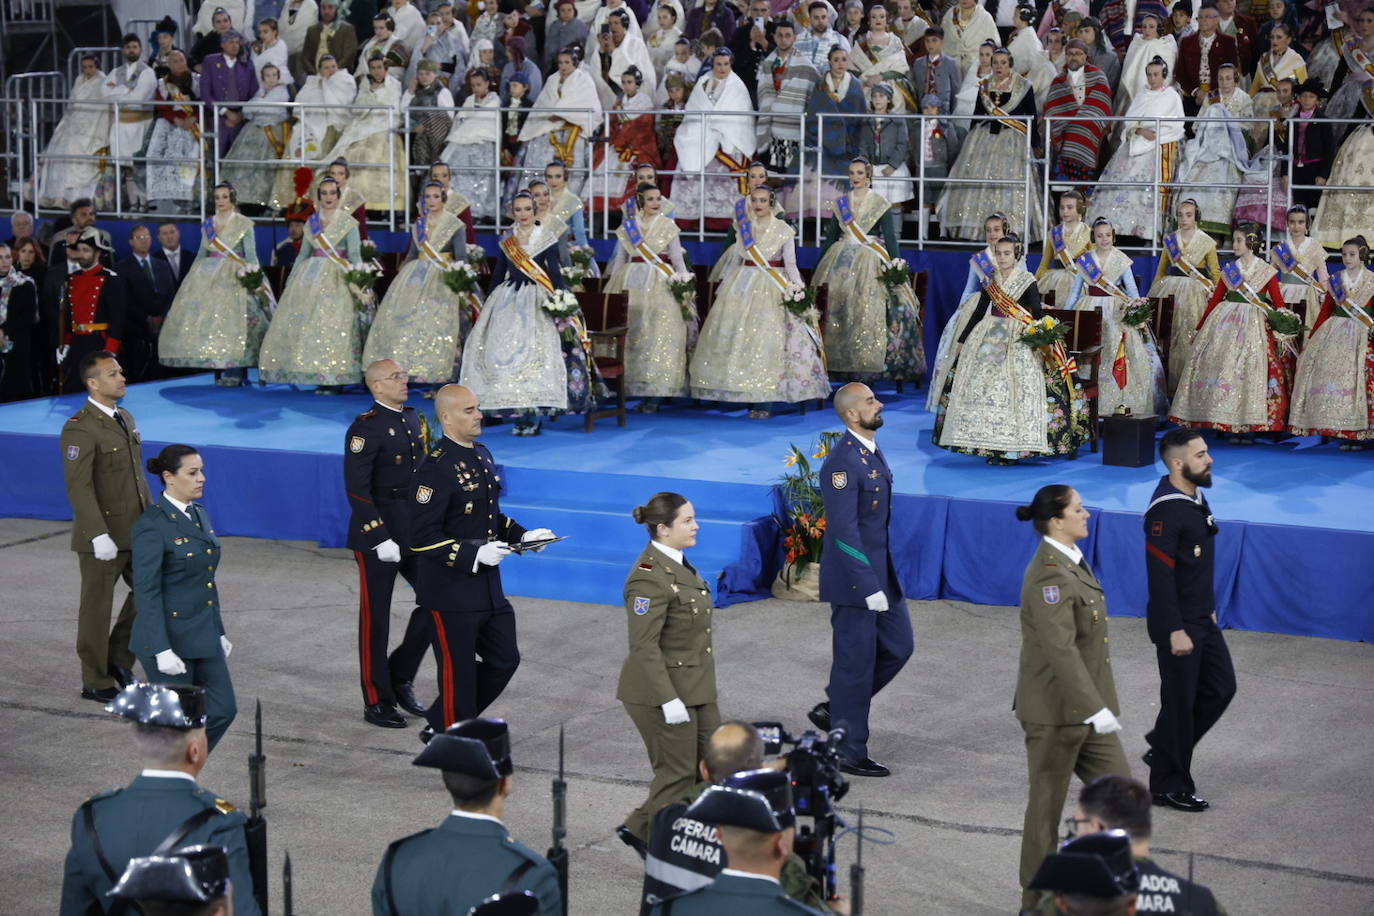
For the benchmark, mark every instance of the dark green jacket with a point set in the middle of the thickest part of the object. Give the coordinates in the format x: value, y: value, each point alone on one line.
x: 668, y: 608
x: 733, y: 895
x: 133, y: 822
x: 102, y: 467
x: 174, y: 584
x: 456, y: 866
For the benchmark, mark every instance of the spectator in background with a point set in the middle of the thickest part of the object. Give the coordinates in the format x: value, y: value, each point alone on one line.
x: 446, y: 43
x: 966, y: 26
x: 284, y: 255
x: 329, y: 37
x: 228, y: 77
x: 785, y: 81
x: 839, y: 92
x: 935, y: 72
x: 564, y: 31
x: 297, y: 16
x: 1101, y: 54
x: 21, y: 227
x: 265, y: 137
x: 429, y: 124
x: 712, y: 14
x: 409, y: 24
x: 82, y: 133
x: 209, y: 42
x: 662, y: 40
x: 816, y: 42
x: 174, y: 149
x: 80, y: 215
x: 269, y: 49
x: 1200, y: 55
x: 518, y: 64
x: 148, y: 291
x: 387, y: 43
x: 751, y: 43
x: 169, y: 249
x: 18, y: 324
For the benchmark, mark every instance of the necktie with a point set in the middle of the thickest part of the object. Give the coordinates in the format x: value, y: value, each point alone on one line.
x: 688, y: 563
x: 174, y: 262
x: 148, y: 271
x: 119, y: 418
x: 194, y: 511
x: 1083, y: 563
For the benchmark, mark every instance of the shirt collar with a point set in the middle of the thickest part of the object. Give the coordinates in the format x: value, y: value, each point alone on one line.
x: 473, y: 815
x: 671, y: 553
x: 735, y: 873
x: 184, y: 507
x: 108, y: 411
x: 388, y: 407
x: 869, y: 444
x: 1073, y: 553
x: 171, y: 252
x: 166, y: 774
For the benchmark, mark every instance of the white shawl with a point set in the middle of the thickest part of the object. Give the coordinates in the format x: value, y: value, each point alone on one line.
x: 605, y: 11
x: 473, y: 126
x: 1032, y: 62
x: 632, y: 50
x: 558, y: 103
x: 293, y: 31
x: 339, y: 89
x: 1140, y: 53
x: 376, y: 121
x: 698, y: 138
x: 1160, y: 103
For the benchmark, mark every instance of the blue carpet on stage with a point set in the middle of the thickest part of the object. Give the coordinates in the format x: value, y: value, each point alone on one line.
x: 1297, y: 518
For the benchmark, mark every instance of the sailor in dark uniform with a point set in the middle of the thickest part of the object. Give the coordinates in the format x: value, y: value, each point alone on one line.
x: 460, y: 535
x: 193, y: 881
x: 163, y: 803
x: 754, y: 820
x: 470, y: 856
x: 1196, y: 677
x: 381, y: 450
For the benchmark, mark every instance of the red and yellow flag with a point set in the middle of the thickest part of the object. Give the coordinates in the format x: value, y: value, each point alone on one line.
x: 1119, y: 364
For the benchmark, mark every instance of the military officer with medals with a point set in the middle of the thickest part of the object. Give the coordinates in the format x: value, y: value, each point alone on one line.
x: 92, y: 309
x: 102, y: 467
x: 470, y: 856
x: 383, y: 446
x: 179, y: 634
x: 753, y: 816
x: 871, y: 630
x: 162, y: 809
x: 668, y: 681
x: 193, y: 881
x: 1196, y: 678
x: 1065, y: 693
x: 460, y: 535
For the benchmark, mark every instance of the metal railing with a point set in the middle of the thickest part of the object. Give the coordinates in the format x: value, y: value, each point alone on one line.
x: 33, y: 105
x: 106, y: 59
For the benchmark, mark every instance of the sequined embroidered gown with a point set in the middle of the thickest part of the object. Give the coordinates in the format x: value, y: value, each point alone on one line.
x: 1190, y: 295
x: 658, y: 336
x: 316, y: 336
x: 214, y: 323
x: 1333, y: 387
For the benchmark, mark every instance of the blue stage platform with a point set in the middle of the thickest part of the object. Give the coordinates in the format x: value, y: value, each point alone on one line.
x: 1297, y: 518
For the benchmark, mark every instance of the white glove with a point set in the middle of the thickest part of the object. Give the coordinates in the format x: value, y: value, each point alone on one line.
x: 675, y: 712
x: 388, y: 551
x: 62, y: 352
x: 1103, y: 722
x: 876, y: 601
x: 168, y: 662
x: 538, y: 534
x: 105, y: 548
x: 492, y: 553
x: 226, y: 645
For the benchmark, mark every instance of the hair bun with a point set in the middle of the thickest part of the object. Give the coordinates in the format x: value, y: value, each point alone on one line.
x: 638, y: 514
x: 1023, y: 513
x: 154, y: 466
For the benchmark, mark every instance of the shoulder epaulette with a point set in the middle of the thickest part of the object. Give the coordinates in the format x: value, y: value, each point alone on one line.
x: 367, y: 414
x: 646, y: 566
x: 437, y: 454
x: 224, y: 807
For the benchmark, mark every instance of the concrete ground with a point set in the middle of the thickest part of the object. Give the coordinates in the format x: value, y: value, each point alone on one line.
x: 1288, y: 770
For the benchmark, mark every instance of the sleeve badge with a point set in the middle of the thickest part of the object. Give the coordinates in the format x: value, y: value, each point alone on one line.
x: 423, y: 494
x: 1051, y: 594
x: 73, y: 452
x: 641, y: 606
x: 839, y: 479
x: 355, y: 445
x: 1156, y: 529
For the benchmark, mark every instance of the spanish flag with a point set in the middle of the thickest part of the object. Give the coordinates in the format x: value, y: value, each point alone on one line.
x: 1119, y: 364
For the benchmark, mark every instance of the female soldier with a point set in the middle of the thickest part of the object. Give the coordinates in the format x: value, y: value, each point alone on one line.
x: 1065, y: 693
x: 178, y: 634
x: 668, y: 681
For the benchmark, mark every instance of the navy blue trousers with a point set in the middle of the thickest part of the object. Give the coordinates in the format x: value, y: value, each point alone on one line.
x: 868, y: 649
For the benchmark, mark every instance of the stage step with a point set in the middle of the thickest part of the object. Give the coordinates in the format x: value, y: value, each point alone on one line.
x: 593, y: 512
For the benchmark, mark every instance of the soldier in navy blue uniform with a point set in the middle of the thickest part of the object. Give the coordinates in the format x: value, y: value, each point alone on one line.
x: 753, y: 816
x: 193, y: 881
x: 163, y: 803
x: 381, y: 450
x: 461, y: 537
x: 1196, y: 677
x: 470, y: 856
x: 871, y: 630
x: 178, y: 633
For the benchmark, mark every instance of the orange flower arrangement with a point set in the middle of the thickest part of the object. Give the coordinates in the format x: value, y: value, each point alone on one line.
x: 803, y: 524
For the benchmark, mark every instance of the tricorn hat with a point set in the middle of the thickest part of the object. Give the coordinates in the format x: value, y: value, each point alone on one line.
x: 178, y: 706
x: 479, y: 748
x: 194, y: 874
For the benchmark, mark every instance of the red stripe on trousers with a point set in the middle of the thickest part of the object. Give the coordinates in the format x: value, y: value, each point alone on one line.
x: 446, y: 693
x: 365, y: 633
x: 1159, y: 555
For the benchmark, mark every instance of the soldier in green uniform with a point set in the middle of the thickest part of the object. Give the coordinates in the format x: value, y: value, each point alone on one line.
x: 102, y: 465
x: 470, y: 856
x: 1065, y: 694
x: 163, y: 804
x: 187, y: 882
x: 668, y: 681
x: 753, y: 816
x: 179, y: 632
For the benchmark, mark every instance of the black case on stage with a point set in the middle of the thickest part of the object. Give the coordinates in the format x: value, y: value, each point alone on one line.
x: 1128, y: 440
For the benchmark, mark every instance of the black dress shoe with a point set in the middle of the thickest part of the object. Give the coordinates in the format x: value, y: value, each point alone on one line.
x: 123, y: 676
x: 632, y: 841
x: 1183, y: 801
x: 406, y: 699
x: 820, y: 716
x: 866, y: 767
x: 99, y: 694
x: 385, y: 716
x: 426, y: 734
x: 1148, y: 757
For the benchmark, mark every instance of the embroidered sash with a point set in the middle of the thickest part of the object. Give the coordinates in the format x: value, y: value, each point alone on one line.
x: 1093, y: 274
x: 519, y: 257
x: 1289, y: 262
x: 1352, y: 47
x: 751, y: 248
x: 845, y: 211
x: 636, y: 237
x: 1344, y: 305
x: 740, y: 168
x: 1062, y: 362
x: 1061, y: 249
x: 1236, y: 282
x: 982, y: 265
x: 994, y: 109
x: 318, y: 239
x: 1175, y: 249
x: 212, y: 239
